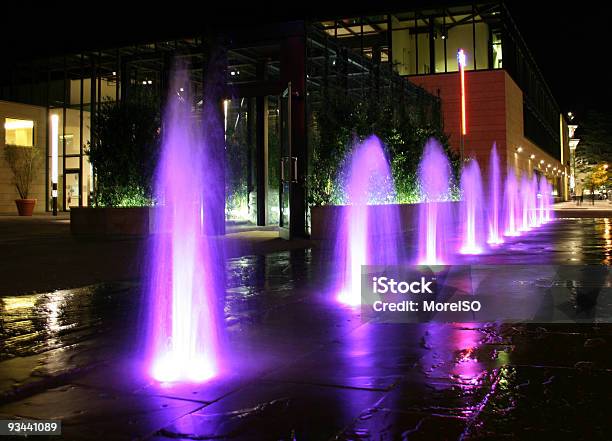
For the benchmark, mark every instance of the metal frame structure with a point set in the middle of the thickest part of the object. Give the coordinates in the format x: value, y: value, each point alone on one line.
x: 257, y: 65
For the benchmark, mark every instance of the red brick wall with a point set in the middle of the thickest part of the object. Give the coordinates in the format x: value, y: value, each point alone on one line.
x: 494, y: 114
x: 485, y: 110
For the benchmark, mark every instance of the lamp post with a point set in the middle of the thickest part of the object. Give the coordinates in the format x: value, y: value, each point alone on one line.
x: 461, y: 63
x: 54, y: 171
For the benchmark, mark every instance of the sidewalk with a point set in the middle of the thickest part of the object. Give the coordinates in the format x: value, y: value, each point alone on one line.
x: 39, y: 253
x: 300, y: 366
x: 586, y: 209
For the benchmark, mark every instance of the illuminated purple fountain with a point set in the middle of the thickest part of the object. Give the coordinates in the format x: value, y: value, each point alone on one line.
x: 365, y: 238
x: 495, y: 235
x: 527, y: 194
x: 534, y: 217
x: 435, y: 213
x: 183, y: 333
x: 472, y: 226
x: 547, y: 199
x: 512, y: 208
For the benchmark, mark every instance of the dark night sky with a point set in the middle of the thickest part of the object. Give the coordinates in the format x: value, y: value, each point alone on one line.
x: 569, y: 41
x: 571, y: 44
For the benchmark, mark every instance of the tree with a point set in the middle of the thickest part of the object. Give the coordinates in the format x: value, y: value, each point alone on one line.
x: 124, y: 152
x: 595, y: 147
x: 594, y: 152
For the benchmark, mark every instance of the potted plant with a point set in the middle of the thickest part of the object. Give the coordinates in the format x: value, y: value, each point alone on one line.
x: 22, y: 162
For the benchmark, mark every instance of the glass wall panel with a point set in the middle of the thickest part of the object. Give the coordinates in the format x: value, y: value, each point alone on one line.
x: 87, y: 170
x: 72, y: 189
x: 496, y: 44
x: 460, y: 37
x: 72, y: 163
x: 439, y: 52
x: 71, y: 137
x: 424, y: 62
x: 237, y: 160
x: 108, y: 90
x: 482, y: 46
x: 404, y: 47
x: 274, y: 159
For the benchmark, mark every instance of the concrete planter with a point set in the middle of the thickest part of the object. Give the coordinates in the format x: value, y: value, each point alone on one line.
x: 325, y: 220
x: 132, y: 221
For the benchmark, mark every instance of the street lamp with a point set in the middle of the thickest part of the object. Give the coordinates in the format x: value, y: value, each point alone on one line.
x: 54, y: 161
x: 461, y: 63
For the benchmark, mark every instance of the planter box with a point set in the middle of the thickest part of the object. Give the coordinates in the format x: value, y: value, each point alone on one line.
x: 325, y: 221
x: 132, y: 221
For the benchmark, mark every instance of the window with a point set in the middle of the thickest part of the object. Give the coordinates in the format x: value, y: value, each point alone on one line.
x: 497, y: 50
x: 19, y: 132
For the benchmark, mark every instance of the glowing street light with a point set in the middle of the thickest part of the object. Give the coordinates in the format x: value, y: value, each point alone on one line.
x: 54, y: 161
x: 461, y: 63
x: 225, y: 106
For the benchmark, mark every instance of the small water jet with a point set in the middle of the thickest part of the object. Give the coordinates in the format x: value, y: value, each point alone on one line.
x: 362, y: 238
x: 495, y: 236
x: 435, y: 213
x: 472, y: 231
x: 185, y: 268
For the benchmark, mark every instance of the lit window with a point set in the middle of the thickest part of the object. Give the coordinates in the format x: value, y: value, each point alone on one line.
x: 497, y: 50
x: 19, y: 132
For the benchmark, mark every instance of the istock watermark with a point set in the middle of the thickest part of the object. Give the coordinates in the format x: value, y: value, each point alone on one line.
x: 487, y: 293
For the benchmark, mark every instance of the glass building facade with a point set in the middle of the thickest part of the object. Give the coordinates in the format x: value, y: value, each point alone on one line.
x: 276, y: 79
x: 425, y: 41
x: 261, y: 64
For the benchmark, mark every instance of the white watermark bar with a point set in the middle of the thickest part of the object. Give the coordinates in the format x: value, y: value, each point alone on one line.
x: 30, y: 427
x: 486, y: 293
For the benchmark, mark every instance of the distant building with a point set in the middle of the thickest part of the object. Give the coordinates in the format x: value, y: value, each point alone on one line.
x: 507, y: 100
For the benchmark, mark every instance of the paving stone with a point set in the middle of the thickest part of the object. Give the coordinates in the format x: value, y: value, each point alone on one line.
x: 270, y: 410
x: 93, y: 414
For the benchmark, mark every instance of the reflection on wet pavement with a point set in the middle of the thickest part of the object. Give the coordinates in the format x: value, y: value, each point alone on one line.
x: 305, y: 368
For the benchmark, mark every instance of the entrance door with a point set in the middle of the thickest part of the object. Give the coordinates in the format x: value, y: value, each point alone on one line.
x: 288, y: 171
x: 73, y: 185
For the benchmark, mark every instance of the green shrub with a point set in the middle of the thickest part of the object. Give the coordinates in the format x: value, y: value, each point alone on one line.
x: 340, y: 120
x: 124, y: 152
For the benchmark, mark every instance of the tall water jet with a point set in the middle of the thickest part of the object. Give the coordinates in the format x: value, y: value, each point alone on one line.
x: 472, y: 231
x: 527, y: 197
x: 495, y: 236
x: 435, y: 213
x: 547, y: 199
x: 550, y: 214
x: 534, y: 216
x: 542, y: 199
x: 183, y: 313
x: 362, y: 238
x: 512, y: 216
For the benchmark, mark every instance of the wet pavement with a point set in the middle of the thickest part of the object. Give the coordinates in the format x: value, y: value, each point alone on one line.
x: 300, y: 366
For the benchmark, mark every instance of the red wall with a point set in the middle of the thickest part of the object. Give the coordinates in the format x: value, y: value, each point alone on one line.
x: 485, y: 110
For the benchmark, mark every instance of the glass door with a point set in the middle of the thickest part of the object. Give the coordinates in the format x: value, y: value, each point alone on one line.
x: 73, y: 193
x: 286, y: 164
